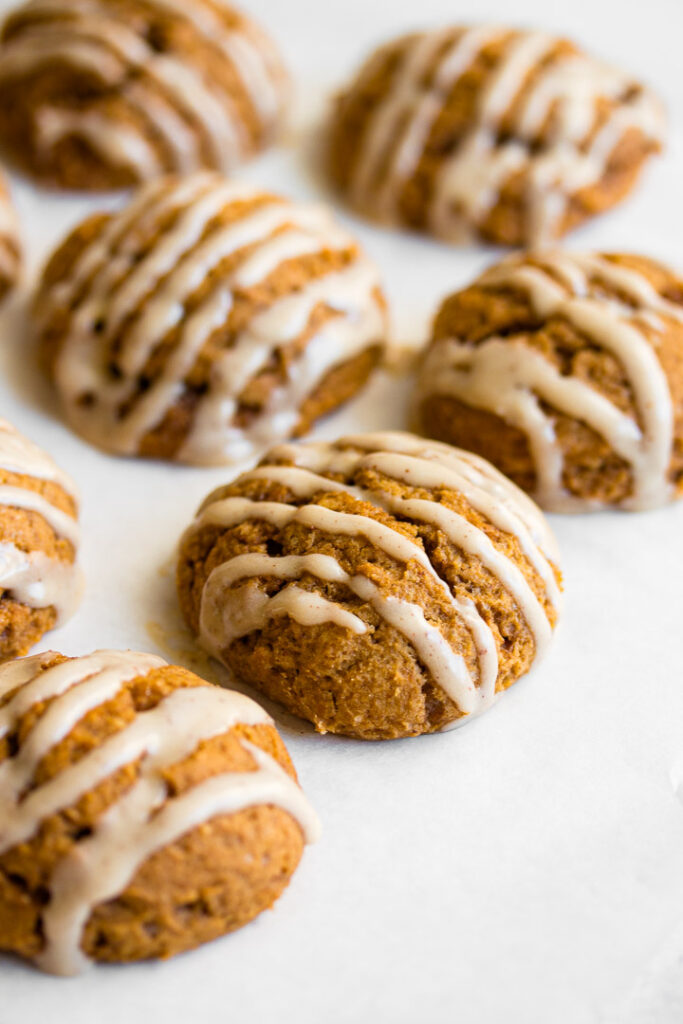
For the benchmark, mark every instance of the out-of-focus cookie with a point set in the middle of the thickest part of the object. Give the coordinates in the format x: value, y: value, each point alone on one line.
x: 99, y: 94
x: 143, y: 811
x: 10, y: 245
x: 40, y: 582
x: 380, y: 586
x: 565, y: 369
x: 207, y: 320
x: 485, y: 132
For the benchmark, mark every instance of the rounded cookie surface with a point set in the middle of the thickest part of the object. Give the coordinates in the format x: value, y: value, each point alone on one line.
x: 380, y: 586
x: 100, y: 94
x: 40, y: 582
x: 485, y: 132
x: 565, y: 369
x: 207, y: 320
x: 144, y: 811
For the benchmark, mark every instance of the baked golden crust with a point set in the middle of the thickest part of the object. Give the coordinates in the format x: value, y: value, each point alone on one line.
x: 511, y: 136
x: 215, y: 876
x: 609, y: 326
x: 364, y: 592
x: 218, y: 318
x: 101, y: 94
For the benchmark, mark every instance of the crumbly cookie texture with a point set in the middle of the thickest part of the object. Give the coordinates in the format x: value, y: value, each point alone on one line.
x: 207, y: 320
x: 10, y: 245
x: 566, y: 371
x: 40, y: 582
x: 143, y: 811
x: 380, y: 586
x: 100, y: 94
x: 490, y: 133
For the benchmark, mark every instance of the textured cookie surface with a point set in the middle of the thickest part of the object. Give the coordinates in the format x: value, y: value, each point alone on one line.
x: 381, y: 586
x: 207, y: 320
x: 511, y: 136
x: 10, y: 247
x: 40, y: 583
x: 98, y: 94
x: 143, y: 811
x: 566, y: 371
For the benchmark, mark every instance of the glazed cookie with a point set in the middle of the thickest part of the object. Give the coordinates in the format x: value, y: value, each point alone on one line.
x: 510, y: 136
x: 100, y: 94
x: 143, y: 811
x: 566, y: 371
x: 40, y: 583
x: 381, y: 586
x: 207, y: 320
x: 10, y: 248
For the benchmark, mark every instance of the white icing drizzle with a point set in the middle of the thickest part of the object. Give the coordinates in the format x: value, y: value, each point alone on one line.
x: 509, y: 378
x: 229, y: 620
x: 148, y: 300
x: 471, y: 178
x: 31, y: 577
x: 125, y: 147
x: 168, y: 92
x: 228, y: 611
x: 144, y: 819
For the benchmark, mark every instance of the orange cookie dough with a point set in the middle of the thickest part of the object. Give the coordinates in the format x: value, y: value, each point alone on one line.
x: 100, y: 94
x: 380, y: 586
x: 566, y: 371
x: 10, y: 247
x: 490, y: 133
x: 142, y: 811
x: 207, y: 320
x: 40, y: 583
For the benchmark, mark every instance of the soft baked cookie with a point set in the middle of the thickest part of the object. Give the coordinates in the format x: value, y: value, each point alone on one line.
x: 487, y: 132
x: 380, y: 586
x: 40, y: 583
x: 565, y: 369
x: 10, y: 247
x: 143, y: 811
x: 207, y: 320
x: 99, y: 94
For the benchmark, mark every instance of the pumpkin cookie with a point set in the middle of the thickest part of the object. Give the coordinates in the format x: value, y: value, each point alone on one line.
x: 40, y: 584
x: 144, y: 811
x: 566, y: 371
x: 490, y: 133
x: 10, y: 247
x: 100, y: 94
x: 207, y: 320
x: 381, y: 586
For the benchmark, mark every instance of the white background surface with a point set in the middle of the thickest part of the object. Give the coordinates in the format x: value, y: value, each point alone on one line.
x: 526, y: 868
